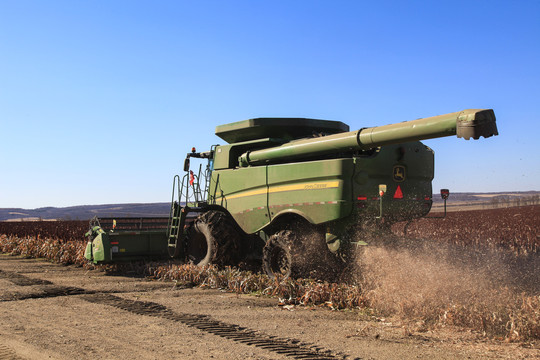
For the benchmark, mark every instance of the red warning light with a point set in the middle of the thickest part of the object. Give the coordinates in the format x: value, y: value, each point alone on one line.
x: 398, y: 194
x: 193, y: 149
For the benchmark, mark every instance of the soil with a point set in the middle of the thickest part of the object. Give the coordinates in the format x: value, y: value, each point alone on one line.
x: 50, y: 311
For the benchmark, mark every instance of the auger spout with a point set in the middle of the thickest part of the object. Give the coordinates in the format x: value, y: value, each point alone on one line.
x: 471, y: 123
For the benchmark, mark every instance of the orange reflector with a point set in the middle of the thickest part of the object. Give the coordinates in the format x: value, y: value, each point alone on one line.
x: 398, y: 194
x: 427, y: 198
x: 362, y: 198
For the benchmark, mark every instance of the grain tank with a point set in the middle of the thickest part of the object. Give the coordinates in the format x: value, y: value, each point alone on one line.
x: 297, y: 191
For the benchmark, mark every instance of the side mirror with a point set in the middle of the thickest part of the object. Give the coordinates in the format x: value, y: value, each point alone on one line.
x: 186, y: 164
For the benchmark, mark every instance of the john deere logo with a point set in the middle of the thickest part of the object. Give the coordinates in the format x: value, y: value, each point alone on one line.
x: 399, y: 173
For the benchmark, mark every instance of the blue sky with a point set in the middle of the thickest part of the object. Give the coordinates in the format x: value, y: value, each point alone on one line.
x: 100, y: 100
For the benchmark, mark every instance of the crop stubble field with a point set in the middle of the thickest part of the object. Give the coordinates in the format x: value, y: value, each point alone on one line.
x: 474, y: 270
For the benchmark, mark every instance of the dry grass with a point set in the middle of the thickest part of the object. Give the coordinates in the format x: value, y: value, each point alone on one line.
x: 291, y: 291
x: 70, y: 252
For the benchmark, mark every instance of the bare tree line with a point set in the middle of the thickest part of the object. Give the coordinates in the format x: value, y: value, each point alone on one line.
x: 508, y: 201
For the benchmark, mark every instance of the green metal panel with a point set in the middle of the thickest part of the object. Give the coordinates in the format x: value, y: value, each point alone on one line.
x: 222, y: 157
x: 88, y: 251
x: 320, y: 191
x: 243, y: 192
x: 100, y: 252
x: 408, y: 166
x: 128, y: 245
x: 327, y: 190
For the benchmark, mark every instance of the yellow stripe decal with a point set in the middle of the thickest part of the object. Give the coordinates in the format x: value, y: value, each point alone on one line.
x: 305, y: 186
x: 247, y: 193
x: 294, y: 187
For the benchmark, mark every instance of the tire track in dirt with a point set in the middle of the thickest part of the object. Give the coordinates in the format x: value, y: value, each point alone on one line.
x: 22, y: 280
x: 45, y: 292
x: 47, y: 289
x: 288, y: 347
x: 284, y: 346
x: 8, y: 354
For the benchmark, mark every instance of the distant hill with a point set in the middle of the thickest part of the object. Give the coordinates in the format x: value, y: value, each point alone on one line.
x: 85, y: 212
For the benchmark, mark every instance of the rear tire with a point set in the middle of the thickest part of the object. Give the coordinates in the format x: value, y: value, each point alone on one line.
x: 301, y: 252
x: 278, y: 257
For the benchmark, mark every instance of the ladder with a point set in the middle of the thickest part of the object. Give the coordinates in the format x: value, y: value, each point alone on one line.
x: 177, y: 218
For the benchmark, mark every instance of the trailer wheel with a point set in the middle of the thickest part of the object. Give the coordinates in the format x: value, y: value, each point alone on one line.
x: 213, y: 240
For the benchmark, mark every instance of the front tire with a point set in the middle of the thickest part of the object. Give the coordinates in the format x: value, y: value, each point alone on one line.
x: 213, y: 239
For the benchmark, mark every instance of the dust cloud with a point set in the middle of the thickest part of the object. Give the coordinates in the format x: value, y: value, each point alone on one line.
x: 441, y: 284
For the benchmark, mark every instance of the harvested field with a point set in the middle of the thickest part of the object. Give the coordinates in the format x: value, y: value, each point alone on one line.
x: 516, y: 229
x: 475, y: 271
x: 72, y: 230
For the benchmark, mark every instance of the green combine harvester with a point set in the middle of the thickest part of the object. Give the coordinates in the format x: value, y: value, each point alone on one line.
x: 294, y: 193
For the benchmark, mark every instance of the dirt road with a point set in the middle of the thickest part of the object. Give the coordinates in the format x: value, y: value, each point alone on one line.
x: 49, y: 311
